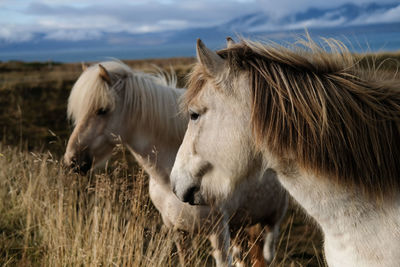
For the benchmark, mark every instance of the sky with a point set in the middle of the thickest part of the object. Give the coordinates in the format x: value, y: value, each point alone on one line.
x: 87, y: 19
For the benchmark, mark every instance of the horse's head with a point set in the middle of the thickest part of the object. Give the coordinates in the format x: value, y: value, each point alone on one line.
x: 307, y: 111
x: 96, y: 107
x: 218, y: 150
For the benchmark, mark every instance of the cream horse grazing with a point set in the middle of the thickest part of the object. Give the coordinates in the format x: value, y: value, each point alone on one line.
x: 329, y: 129
x: 110, y: 103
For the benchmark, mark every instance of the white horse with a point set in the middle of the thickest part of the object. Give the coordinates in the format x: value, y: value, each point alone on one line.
x: 110, y: 103
x: 330, y: 129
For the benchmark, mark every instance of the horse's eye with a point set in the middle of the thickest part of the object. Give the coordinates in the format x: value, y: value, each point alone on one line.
x: 193, y: 115
x: 102, y: 111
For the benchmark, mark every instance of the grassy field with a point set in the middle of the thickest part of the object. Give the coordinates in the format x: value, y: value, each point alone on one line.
x: 50, y: 217
x: 53, y: 218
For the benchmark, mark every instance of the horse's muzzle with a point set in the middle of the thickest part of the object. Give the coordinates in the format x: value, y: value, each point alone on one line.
x: 81, y: 164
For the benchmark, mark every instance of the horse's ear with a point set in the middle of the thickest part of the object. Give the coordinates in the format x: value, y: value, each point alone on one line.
x: 104, y: 74
x: 212, y: 62
x: 84, y: 66
x: 229, y: 42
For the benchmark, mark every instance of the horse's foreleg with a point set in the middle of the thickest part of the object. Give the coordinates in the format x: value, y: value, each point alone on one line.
x: 220, y: 242
x: 237, y: 251
x: 256, y: 245
x: 181, y: 247
x: 270, y: 240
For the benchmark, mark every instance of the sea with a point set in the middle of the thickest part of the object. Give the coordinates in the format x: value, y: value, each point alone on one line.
x: 363, y: 41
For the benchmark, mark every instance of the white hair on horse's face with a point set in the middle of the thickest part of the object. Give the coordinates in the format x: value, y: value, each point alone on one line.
x: 217, y: 150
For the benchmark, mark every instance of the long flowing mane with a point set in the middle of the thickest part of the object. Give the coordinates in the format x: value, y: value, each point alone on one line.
x: 151, y: 99
x: 321, y: 108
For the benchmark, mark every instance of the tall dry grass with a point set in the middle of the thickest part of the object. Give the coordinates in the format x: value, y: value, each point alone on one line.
x: 53, y: 218
x: 50, y: 217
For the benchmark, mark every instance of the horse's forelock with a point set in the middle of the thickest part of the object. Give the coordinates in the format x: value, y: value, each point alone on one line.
x: 89, y: 93
x: 196, y: 81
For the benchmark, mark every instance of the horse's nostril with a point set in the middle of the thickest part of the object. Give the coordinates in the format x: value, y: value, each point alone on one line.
x: 189, y: 196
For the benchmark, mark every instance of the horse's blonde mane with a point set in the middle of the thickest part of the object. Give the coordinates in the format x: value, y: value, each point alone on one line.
x: 322, y: 109
x: 151, y: 99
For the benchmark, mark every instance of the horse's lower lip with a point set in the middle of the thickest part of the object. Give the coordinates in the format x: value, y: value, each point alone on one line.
x: 196, y: 203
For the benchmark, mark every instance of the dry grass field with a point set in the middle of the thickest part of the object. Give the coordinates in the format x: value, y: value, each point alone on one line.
x: 51, y: 217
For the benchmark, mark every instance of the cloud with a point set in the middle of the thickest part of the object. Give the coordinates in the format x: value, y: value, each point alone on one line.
x: 12, y: 34
x: 384, y: 16
x: 73, y: 35
x: 200, y: 14
x: 316, y: 23
x: 61, y: 19
x: 280, y: 8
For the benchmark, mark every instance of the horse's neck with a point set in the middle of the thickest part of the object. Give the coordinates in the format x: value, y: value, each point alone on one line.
x: 323, y: 200
x: 356, y: 230
x: 156, y: 152
x: 157, y: 158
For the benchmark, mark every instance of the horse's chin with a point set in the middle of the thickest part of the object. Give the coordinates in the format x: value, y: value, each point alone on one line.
x: 198, y: 199
x: 216, y: 195
x: 211, y: 199
x: 89, y: 165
